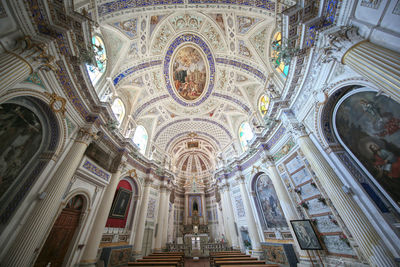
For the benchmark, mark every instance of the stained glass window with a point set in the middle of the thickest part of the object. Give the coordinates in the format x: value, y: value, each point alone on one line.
x: 119, y: 110
x: 245, y: 135
x: 140, y: 138
x: 280, y: 65
x: 97, y: 69
x: 264, y: 104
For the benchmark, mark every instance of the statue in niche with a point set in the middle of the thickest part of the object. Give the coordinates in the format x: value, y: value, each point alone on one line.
x: 195, y: 217
x: 195, y: 206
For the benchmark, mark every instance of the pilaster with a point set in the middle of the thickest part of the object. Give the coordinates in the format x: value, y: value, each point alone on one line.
x: 30, y: 239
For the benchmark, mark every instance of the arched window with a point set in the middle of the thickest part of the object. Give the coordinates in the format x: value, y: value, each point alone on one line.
x: 119, y: 110
x: 98, y: 66
x: 263, y: 104
x: 140, y: 138
x: 245, y: 135
x: 278, y: 63
x: 267, y: 203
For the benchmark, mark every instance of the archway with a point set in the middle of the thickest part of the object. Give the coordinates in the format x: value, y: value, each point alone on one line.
x: 59, y: 240
x: 29, y: 129
x: 267, y: 203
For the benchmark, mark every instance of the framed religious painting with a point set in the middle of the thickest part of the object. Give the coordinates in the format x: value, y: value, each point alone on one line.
x: 306, y: 235
x: 121, y: 203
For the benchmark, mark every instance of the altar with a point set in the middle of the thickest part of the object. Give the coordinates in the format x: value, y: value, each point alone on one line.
x: 196, y: 245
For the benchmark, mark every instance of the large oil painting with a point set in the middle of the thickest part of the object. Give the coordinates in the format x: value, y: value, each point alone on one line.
x: 189, y: 73
x: 369, y: 125
x: 269, y: 203
x: 305, y: 234
x: 121, y: 203
x: 20, y: 135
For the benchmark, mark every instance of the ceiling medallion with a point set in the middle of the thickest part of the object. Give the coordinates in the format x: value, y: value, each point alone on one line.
x: 189, y: 70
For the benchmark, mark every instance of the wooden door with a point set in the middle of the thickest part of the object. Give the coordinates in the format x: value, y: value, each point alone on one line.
x: 59, y: 239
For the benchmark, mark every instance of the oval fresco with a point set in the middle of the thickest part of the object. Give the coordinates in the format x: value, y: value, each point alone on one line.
x: 189, y: 70
x: 189, y: 73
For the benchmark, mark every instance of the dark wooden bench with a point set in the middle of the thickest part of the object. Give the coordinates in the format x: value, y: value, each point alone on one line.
x: 239, y: 262
x: 255, y: 265
x: 143, y: 264
x: 230, y: 257
x: 163, y: 258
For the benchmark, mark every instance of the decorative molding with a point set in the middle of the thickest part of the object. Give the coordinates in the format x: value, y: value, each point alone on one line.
x: 96, y: 170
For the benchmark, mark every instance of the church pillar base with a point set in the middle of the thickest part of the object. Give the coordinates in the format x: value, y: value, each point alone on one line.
x: 88, y: 263
x: 136, y: 255
x: 259, y: 254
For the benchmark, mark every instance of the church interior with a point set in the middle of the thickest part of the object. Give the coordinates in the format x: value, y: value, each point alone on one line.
x: 208, y: 132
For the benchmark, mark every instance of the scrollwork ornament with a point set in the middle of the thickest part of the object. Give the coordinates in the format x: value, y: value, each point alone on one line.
x: 338, y: 43
x: 57, y: 103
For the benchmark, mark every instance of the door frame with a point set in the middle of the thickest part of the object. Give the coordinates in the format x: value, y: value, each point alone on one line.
x: 73, y: 246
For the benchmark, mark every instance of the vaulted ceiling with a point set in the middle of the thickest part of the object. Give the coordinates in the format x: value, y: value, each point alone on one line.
x: 230, y: 41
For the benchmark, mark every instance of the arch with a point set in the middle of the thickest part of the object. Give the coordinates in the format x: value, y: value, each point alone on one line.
x: 63, y: 235
x: 245, y: 135
x: 51, y: 130
x: 140, y: 138
x: 263, y: 104
x: 370, y: 134
x: 118, y: 109
x: 126, y: 220
x: 97, y: 68
x: 278, y: 62
x: 267, y: 203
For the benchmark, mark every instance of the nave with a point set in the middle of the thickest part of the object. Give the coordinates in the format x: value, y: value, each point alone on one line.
x: 130, y: 128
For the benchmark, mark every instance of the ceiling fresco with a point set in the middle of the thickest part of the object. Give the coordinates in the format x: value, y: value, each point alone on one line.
x: 195, y: 70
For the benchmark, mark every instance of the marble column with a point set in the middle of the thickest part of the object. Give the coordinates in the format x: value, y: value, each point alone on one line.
x: 171, y: 223
x: 379, y: 65
x: 160, y: 218
x: 223, y: 227
x: 230, y: 217
x: 250, y: 218
x: 21, y: 61
x: 89, y: 257
x: 224, y: 212
x: 137, y: 246
x: 371, y: 244
x: 26, y: 246
x: 284, y: 200
x: 165, y: 220
x: 203, y: 207
x: 186, y: 207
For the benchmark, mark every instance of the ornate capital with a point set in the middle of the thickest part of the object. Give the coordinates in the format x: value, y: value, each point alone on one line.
x: 224, y: 187
x: 36, y: 53
x: 336, y: 44
x: 86, y: 136
x: 148, y: 181
x: 269, y: 161
x: 121, y: 166
x: 294, y: 127
x: 240, y: 179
